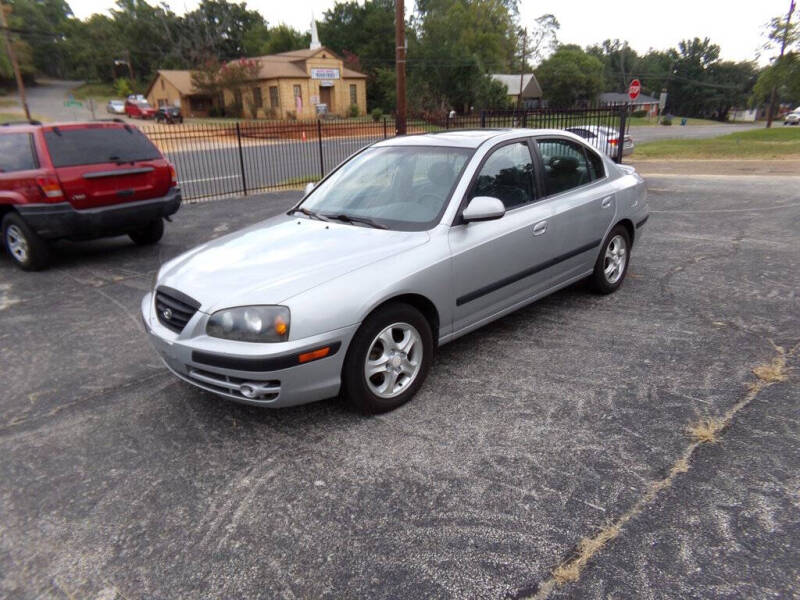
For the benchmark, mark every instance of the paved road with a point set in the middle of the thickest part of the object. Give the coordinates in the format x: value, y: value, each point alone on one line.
x: 216, y: 170
x: 118, y: 481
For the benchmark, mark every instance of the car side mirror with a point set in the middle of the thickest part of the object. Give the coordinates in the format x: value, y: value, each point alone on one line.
x: 309, y: 187
x: 483, y: 208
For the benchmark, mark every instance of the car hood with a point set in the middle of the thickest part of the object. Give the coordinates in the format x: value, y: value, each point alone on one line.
x: 272, y: 261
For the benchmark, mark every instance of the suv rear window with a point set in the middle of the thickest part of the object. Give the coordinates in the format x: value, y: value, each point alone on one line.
x: 94, y: 145
x: 16, y: 152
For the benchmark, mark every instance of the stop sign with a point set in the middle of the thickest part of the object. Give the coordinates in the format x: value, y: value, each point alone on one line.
x: 634, y: 88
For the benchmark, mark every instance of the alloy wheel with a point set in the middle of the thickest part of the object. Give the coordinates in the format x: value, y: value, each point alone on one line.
x: 615, y: 259
x: 394, y: 360
x: 17, y: 243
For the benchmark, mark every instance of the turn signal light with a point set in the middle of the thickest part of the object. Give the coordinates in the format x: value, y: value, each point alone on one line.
x: 314, y: 354
x: 50, y: 187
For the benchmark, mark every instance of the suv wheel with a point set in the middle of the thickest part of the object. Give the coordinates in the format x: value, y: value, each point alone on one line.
x: 388, y: 359
x: 149, y: 234
x: 26, y: 248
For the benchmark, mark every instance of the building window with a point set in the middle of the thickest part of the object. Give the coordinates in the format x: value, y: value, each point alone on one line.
x: 257, y: 100
x: 298, y: 92
x: 273, y: 96
x: 237, y: 97
x: 353, y: 94
x: 162, y: 102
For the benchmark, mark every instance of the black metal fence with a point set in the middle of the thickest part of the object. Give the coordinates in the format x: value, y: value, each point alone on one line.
x: 217, y: 159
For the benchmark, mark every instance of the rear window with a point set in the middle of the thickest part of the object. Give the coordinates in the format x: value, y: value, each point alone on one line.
x: 16, y: 152
x: 91, y: 146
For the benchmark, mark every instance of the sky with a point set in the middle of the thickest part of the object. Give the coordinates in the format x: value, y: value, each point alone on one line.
x: 737, y: 27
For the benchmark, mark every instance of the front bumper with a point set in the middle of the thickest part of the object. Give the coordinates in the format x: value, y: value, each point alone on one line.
x: 61, y: 220
x: 224, y: 367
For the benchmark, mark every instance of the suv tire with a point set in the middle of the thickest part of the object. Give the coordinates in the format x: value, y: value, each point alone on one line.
x: 28, y: 251
x: 406, y: 364
x: 149, y: 234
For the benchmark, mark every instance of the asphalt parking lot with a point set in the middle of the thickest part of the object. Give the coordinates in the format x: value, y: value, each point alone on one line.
x: 542, y: 429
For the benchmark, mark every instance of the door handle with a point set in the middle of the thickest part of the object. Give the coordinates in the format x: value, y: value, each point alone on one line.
x: 540, y: 228
x: 606, y: 202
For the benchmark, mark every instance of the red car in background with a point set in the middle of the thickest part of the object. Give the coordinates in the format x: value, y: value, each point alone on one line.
x: 139, y: 109
x: 80, y: 181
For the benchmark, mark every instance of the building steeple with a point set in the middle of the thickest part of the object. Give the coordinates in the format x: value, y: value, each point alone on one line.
x: 314, y: 35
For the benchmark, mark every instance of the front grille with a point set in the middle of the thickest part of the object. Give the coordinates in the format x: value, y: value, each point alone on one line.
x: 174, y: 308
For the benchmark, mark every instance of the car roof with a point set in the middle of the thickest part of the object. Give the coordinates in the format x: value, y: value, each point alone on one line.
x: 467, y: 138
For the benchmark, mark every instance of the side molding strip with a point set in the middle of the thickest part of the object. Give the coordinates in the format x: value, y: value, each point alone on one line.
x: 492, y: 287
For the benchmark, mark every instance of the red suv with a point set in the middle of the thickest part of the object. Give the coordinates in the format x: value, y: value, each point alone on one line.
x: 80, y: 181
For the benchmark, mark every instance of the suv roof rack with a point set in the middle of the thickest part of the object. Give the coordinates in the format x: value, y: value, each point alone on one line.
x: 112, y: 120
x: 29, y: 122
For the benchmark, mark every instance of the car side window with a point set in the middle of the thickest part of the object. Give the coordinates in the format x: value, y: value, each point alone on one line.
x: 596, y: 168
x: 565, y: 165
x: 17, y: 153
x: 507, y: 175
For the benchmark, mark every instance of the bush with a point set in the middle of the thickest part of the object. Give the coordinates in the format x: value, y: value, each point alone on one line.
x: 291, y: 115
x: 214, y: 111
x: 376, y: 114
x: 353, y: 110
x: 666, y: 120
x: 122, y: 87
x: 639, y: 114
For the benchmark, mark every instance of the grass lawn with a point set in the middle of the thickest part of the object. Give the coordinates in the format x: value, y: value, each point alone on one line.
x: 101, y: 92
x: 676, y: 122
x: 778, y: 142
x: 6, y: 117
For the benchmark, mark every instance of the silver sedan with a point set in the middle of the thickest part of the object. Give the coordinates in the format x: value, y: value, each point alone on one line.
x: 407, y: 245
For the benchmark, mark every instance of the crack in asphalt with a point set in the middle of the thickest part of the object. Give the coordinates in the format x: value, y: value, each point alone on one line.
x: 570, y: 569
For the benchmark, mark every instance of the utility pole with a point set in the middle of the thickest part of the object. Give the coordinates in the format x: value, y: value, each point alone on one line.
x: 130, y: 68
x: 400, y: 64
x: 522, y: 67
x: 13, y: 58
x: 774, y: 93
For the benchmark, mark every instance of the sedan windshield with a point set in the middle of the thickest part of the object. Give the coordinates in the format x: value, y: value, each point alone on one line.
x: 397, y: 187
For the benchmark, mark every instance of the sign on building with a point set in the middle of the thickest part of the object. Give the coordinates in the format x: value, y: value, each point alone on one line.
x: 324, y: 73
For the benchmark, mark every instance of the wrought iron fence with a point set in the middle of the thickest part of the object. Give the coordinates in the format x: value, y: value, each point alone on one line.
x: 226, y: 158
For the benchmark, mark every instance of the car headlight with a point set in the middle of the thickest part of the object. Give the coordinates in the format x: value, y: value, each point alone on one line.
x: 250, y: 324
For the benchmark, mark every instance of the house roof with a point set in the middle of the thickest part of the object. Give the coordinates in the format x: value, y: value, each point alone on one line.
x: 272, y: 66
x: 182, y: 80
x: 291, y: 64
x: 530, y: 87
x: 623, y: 98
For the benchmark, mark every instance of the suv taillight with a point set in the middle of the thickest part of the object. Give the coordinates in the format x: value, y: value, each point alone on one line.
x: 174, y: 175
x: 50, y: 187
x: 613, y: 141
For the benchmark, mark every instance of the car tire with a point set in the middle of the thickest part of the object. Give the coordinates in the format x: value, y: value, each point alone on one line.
x: 401, y: 365
x: 28, y: 251
x: 611, y: 265
x: 148, y: 235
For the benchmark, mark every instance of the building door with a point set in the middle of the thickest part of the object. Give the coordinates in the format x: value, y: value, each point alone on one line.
x: 326, y: 97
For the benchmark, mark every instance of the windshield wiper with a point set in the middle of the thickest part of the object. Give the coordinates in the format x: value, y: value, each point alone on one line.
x: 355, y: 219
x: 309, y: 213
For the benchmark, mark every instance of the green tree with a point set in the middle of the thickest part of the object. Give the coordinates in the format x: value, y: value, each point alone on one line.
x: 454, y: 46
x: 363, y: 34
x: 620, y: 64
x: 570, y: 77
x: 783, y: 75
x: 46, y: 20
